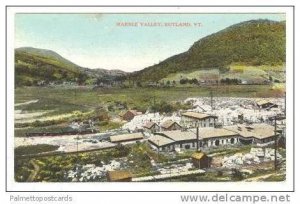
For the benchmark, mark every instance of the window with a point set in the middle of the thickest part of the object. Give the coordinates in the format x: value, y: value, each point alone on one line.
x: 217, y: 142
x: 232, y: 140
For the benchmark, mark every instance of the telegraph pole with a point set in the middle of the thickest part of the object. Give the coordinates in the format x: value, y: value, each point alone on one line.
x: 275, y: 143
x: 197, y: 138
x: 211, y: 99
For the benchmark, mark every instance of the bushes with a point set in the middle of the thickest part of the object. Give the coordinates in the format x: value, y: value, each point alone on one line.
x: 236, y: 175
x: 35, y: 149
x: 231, y: 81
x: 162, y: 107
x: 189, y: 81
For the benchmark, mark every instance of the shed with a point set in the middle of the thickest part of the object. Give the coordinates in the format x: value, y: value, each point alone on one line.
x: 151, y: 127
x: 170, y: 125
x: 129, y: 114
x: 119, y: 176
x: 266, y: 104
x: 201, y: 160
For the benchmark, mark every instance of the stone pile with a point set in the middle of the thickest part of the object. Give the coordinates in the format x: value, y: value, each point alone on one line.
x: 91, y: 172
x: 255, y: 156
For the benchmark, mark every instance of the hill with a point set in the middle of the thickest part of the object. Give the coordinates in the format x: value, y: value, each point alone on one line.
x: 250, y: 43
x: 33, y: 65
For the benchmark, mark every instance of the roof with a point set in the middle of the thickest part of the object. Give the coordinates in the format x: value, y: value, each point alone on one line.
x: 134, y: 112
x: 263, y: 102
x: 259, y: 131
x: 197, y: 115
x: 126, y: 137
x: 159, y: 140
x: 149, y: 125
x: 178, y: 135
x: 118, y: 175
x: 168, y: 123
x: 198, y: 155
x: 210, y: 132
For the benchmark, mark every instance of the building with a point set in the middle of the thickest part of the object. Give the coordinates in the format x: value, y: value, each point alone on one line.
x: 129, y: 115
x: 170, y: 140
x: 254, y: 134
x: 214, y: 137
x: 208, y: 137
x: 151, y: 127
x: 127, y: 137
x: 200, y: 160
x: 265, y: 104
x: 194, y: 119
x: 170, y: 125
x: 119, y: 176
x: 162, y: 143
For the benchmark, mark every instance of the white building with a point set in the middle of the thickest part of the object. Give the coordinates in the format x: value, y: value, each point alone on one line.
x: 194, y: 119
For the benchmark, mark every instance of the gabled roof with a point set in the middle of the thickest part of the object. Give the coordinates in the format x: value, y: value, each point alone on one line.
x: 178, y: 135
x: 211, y: 132
x: 168, y: 123
x: 149, y: 125
x: 197, y: 115
x: 259, y: 131
x: 159, y: 140
x: 198, y: 155
x: 134, y: 112
x: 263, y: 102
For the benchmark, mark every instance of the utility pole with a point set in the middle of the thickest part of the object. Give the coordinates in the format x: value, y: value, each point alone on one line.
x: 284, y: 103
x: 211, y: 99
x: 275, y: 143
x: 197, y: 138
x: 275, y: 118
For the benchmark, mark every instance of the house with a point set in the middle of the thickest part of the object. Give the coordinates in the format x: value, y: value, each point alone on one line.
x: 194, y: 119
x: 200, y: 160
x: 126, y: 137
x: 119, y: 176
x: 170, y: 125
x: 265, y: 104
x: 151, y: 127
x: 129, y: 115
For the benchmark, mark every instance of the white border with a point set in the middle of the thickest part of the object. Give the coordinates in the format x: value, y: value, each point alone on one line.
x: 161, y: 186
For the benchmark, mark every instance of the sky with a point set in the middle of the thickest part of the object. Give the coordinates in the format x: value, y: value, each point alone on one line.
x: 128, y: 42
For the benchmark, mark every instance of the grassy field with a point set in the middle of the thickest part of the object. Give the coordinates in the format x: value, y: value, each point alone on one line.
x: 65, y: 100
x: 65, y: 105
x: 243, y: 72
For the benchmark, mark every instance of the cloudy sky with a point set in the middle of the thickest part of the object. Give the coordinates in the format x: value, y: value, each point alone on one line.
x: 121, y: 41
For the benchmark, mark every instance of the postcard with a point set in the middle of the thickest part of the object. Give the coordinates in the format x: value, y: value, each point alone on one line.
x: 150, y: 98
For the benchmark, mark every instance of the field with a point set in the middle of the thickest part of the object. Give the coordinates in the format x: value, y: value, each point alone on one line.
x: 251, y: 74
x: 57, y: 107
x: 60, y: 100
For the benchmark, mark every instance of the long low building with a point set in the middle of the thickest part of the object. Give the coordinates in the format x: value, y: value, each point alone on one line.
x: 213, y: 137
x: 170, y: 140
x: 126, y: 137
x: 256, y: 133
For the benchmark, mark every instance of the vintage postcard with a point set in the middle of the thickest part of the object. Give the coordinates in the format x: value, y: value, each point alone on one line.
x: 151, y: 97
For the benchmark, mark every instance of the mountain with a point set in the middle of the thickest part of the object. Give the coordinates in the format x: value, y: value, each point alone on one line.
x: 99, y: 73
x: 33, y: 65
x: 251, y: 43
